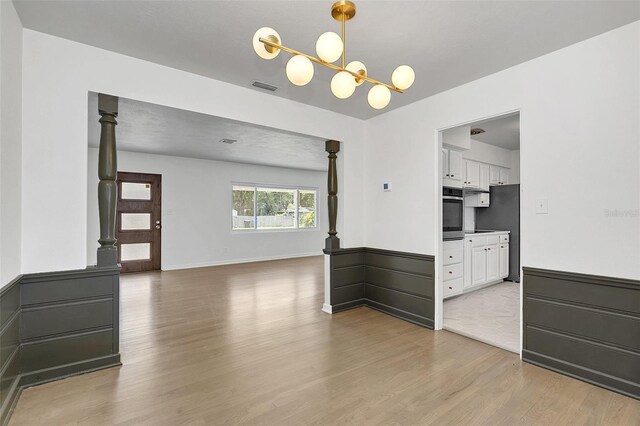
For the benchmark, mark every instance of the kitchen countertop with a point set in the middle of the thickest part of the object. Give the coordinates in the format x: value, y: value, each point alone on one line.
x: 492, y: 232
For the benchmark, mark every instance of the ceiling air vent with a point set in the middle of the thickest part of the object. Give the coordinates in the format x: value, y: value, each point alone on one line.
x: 229, y: 141
x: 476, y: 131
x: 265, y: 86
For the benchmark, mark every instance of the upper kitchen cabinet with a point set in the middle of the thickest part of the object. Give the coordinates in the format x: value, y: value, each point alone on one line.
x: 444, y: 161
x: 498, y: 175
x: 484, y: 177
x: 472, y: 174
x: 504, y: 177
x: 452, y: 167
x: 458, y: 138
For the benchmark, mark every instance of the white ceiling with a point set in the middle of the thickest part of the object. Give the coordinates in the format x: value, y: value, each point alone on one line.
x: 503, y: 132
x: 448, y: 43
x: 155, y: 129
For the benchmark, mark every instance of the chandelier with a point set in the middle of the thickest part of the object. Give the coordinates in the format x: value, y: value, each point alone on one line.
x: 330, y: 47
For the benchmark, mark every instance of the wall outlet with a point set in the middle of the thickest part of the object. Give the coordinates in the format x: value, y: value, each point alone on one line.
x: 542, y: 206
x: 386, y: 187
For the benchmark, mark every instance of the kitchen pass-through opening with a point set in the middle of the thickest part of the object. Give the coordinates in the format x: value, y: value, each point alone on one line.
x: 480, y: 261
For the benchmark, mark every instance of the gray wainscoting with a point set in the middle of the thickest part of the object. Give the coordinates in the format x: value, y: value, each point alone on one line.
x: 54, y: 325
x: 584, y: 326
x: 10, y: 317
x: 397, y: 283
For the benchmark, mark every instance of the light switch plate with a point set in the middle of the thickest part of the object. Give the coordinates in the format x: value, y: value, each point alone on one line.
x: 542, y: 206
x: 386, y: 187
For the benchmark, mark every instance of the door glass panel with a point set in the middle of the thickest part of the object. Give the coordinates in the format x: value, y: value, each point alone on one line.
x: 136, y: 191
x: 135, y: 221
x: 138, y: 251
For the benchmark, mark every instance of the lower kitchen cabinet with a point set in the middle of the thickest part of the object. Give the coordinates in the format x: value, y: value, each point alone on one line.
x: 485, y: 260
x: 493, y: 262
x: 452, y: 267
x: 478, y: 265
x: 504, y: 259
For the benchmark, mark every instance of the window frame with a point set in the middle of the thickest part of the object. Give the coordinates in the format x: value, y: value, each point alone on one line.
x: 295, y: 188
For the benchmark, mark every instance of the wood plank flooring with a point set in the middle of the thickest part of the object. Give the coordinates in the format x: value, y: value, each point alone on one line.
x: 248, y: 344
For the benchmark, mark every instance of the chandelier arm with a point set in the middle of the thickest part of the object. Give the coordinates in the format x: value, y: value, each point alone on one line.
x: 344, y: 39
x: 327, y: 64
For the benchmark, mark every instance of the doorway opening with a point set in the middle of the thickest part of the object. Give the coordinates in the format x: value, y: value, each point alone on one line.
x: 230, y: 191
x: 480, y: 261
x: 138, y: 221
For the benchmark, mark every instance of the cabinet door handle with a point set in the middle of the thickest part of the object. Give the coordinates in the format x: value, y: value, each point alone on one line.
x: 451, y: 272
x: 447, y: 174
x: 450, y: 257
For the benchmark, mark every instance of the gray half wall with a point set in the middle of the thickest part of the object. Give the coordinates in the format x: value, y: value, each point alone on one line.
x: 54, y: 325
x: 584, y: 326
x: 397, y: 283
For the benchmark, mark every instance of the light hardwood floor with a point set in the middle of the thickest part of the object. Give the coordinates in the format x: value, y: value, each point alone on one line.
x: 249, y: 344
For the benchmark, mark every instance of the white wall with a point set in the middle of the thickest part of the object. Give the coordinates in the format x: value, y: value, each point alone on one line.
x: 580, y: 109
x: 10, y: 141
x: 196, y: 210
x: 58, y: 74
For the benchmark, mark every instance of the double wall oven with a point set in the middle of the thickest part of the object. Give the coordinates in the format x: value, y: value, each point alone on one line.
x: 452, y: 214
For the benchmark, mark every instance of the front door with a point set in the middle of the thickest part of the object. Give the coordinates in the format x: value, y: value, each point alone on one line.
x: 138, y: 223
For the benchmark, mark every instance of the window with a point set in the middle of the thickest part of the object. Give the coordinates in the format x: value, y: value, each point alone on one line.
x: 269, y: 208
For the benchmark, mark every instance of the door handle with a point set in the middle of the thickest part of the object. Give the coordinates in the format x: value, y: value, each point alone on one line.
x: 158, y: 226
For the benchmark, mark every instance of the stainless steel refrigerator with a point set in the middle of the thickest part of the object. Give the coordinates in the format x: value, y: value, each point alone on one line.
x: 503, y: 214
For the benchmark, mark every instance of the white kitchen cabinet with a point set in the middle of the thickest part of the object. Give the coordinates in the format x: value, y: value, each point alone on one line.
x: 493, y: 262
x: 452, y: 287
x: 468, y: 241
x: 452, y: 267
x: 504, y: 177
x: 455, y: 165
x: 494, y: 175
x: 452, y: 168
x: 504, y: 260
x: 444, y: 161
x: 472, y: 174
x: 478, y: 265
x: 486, y: 260
x: 484, y: 177
x: 480, y: 199
x: 498, y: 175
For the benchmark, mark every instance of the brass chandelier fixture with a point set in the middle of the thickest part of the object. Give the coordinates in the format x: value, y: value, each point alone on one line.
x: 330, y: 47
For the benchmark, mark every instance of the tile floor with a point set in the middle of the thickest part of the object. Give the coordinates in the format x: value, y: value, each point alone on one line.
x: 490, y: 315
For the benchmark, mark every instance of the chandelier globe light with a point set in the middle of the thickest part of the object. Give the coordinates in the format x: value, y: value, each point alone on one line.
x: 403, y: 77
x: 330, y: 47
x: 263, y: 50
x: 299, y: 70
x: 379, y: 96
x: 358, y: 68
x: 343, y: 85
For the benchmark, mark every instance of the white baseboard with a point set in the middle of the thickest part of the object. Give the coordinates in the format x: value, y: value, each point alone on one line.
x: 236, y: 261
x: 327, y: 308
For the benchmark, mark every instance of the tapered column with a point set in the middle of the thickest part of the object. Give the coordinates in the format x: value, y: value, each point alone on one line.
x: 107, y: 187
x: 332, y: 241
